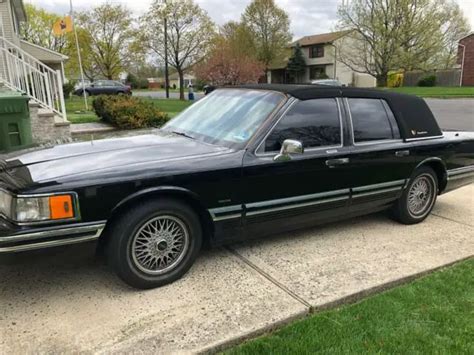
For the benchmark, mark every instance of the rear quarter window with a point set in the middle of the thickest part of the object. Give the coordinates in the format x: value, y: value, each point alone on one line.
x: 372, y: 120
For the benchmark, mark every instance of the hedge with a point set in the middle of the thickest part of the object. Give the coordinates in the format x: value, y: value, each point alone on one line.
x: 428, y: 81
x: 127, y: 112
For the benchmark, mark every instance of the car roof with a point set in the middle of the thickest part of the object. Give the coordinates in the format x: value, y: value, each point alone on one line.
x: 314, y: 91
x: 413, y: 115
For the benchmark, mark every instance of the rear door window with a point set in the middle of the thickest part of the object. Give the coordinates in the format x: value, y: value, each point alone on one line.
x: 372, y: 120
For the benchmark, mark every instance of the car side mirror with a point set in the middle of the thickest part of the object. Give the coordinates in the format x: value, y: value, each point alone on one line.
x: 289, y: 146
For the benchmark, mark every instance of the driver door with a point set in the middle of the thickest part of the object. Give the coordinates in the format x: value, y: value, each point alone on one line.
x: 309, y: 188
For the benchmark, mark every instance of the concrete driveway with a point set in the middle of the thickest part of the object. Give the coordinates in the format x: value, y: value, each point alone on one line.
x: 65, y: 300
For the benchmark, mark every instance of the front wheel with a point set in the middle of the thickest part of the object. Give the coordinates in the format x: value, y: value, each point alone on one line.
x: 155, y: 243
x: 418, y: 198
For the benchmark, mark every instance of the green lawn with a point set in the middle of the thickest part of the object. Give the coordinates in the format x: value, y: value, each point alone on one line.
x: 171, y: 106
x: 440, y: 92
x: 76, y: 112
x: 433, y: 315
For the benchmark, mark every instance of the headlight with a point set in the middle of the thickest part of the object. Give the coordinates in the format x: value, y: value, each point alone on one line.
x: 30, y: 209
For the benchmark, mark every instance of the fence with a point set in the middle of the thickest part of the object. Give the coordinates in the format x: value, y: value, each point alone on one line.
x: 449, y: 77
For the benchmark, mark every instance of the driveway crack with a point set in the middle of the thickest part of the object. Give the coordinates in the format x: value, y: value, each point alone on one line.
x: 270, y: 278
x: 452, y: 220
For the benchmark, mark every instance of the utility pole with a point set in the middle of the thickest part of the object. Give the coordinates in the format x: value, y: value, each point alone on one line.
x: 167, y: 81
x: 79, y: 57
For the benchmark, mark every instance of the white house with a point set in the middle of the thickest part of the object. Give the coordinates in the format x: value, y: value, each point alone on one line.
x: 323, y: 53
x: 36, y: 71
x: 189, y: 79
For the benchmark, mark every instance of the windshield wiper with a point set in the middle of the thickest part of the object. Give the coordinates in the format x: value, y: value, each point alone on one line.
x: 183, y: 134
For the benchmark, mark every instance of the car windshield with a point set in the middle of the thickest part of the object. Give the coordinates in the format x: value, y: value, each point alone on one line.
x: 226, y: 117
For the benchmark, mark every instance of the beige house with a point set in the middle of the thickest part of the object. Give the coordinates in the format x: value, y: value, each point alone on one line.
x: 323, y: 53
x: 36, y: 71
x: 189, y: 79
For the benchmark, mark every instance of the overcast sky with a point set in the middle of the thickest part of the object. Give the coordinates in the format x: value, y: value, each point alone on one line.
x: 307, y: 16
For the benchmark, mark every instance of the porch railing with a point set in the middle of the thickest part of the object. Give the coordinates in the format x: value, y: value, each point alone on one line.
x: 22, y: 72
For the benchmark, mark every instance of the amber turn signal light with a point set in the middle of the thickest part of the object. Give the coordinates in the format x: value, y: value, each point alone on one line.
x: 61, y: 207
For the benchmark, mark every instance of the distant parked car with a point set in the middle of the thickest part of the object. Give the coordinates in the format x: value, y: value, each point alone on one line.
x: 208, y: 89
x: 329, y: 82
x: 80, y: 84
x: 104, y: 87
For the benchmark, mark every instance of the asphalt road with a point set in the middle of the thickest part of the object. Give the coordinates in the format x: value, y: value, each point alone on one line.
x: 451, y: 114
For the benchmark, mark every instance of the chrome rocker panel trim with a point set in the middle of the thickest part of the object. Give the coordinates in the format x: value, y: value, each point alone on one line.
x: 461, y: 173
x: 295, y: 202
x: 52, y: 238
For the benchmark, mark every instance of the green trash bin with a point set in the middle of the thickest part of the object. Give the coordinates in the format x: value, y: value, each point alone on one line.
x: 15, y: 123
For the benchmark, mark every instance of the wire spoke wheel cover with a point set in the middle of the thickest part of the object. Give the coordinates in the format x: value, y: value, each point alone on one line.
x: 421, y: 195
x: 160, y: 245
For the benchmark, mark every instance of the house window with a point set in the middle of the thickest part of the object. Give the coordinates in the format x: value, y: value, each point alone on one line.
x: 317, y: 72
x: 316, y: 51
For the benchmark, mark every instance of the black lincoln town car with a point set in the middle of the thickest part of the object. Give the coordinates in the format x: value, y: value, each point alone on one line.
x: 242, y: 162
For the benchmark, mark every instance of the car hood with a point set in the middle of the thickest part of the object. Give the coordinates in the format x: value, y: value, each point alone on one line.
x: 94, y: 156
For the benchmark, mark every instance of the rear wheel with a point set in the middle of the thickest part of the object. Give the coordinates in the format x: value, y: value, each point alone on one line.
x: 155, y: 243
x: 418, y: 198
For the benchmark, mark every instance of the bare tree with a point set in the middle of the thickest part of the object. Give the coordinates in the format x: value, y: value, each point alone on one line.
x: 108, y: 28
x: 190, y: 34
x: 270, y: 27
x: 399, y: 34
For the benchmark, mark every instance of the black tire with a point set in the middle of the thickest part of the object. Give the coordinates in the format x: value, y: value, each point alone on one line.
x: 123, y: 249
x: 422, y: 203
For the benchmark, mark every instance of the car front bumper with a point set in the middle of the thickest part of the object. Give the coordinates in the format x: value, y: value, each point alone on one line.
x: 50, y: 237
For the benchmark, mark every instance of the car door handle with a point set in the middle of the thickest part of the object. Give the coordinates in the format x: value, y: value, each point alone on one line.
x: 334, y: 162
x: 402, y: 153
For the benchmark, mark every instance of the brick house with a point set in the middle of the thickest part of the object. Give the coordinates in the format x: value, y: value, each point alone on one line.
x: 466, y: 59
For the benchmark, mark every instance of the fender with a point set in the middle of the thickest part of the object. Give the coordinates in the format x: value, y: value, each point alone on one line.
x: 146, y: 192
x: 444, y: 178
x: 430, y: 160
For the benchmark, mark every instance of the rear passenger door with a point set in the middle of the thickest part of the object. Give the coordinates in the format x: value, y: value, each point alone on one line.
x: 379, y: 160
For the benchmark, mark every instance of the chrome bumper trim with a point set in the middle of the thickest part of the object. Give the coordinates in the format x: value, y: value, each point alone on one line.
x: 87, y: 233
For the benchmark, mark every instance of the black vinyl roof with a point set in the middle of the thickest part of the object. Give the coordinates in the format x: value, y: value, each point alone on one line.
x: 413, y: 115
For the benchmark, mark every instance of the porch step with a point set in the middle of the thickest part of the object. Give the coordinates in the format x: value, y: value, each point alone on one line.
x: 61, y: 122
x: 47, y: 126
x: 58, y: 121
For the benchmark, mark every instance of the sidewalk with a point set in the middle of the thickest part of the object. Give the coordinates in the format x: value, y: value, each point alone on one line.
x: 64, y: 300
x: 89, y: 128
